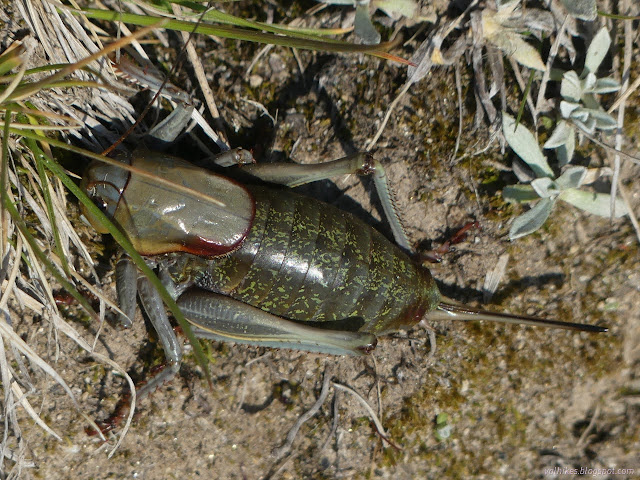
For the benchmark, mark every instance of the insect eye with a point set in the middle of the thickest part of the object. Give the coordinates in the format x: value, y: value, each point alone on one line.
x: 100, y: 203
x: 105, y: 196
x: 96, y: 198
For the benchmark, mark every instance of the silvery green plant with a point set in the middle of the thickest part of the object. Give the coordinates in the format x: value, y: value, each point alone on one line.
x: 579, y: 106
x: 503, y: 28
x: 547, y: 188
x: 362, y: 24
x: 582, y: 9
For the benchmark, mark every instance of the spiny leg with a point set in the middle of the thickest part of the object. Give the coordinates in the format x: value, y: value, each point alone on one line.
x: 222, y: 318
x: 165, y: 132
x: 153, y: 80
x: 157, y: 314
x: 154, y: 307
x: 126, y: 289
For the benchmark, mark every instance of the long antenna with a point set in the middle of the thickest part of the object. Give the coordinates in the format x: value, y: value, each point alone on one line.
x: 462, y: 312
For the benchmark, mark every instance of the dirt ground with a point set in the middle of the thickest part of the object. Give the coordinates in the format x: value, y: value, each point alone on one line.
x: 520, y: 402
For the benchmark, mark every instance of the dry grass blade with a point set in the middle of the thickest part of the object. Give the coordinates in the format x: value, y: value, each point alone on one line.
x: 616, y: 183
x: 289, y: 39
x: 427, y: 55
x: 27, y: 90
x: 14, y: 339
x: 10, y: 419
x: 70, y: 332
x: 206, y: 90
x: 305, y: 417
x: 371, y: 143
x: 138, y: 171
x: 493, y: 278
x: 14, y: 84
x: 367, y: 407
x: 46, y: 199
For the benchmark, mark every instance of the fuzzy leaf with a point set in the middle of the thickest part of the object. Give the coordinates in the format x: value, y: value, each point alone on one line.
x: 581, y: 9
x: 581, y: 114
x: 338, y: 2
x: 545, y: 187
x: 560, y: 135
x: 589, y: 100
x: 519, y: 193
x: 604, y: 121
x: 572, y: 177
x: 596, y: 203
x: 567, y: 108
x: 362, y: 25
x: 393, y: 8
x: 588, y: 82
x: 589, y: 126
x: 565, y: 152
x: 522, y: 171
x: 597, y: 50
x: 522, y: 141
x: 571, y: 86
x: 532, y: 220
x: 523, y: 53
x: 606, y: 85
x: 594, y: 174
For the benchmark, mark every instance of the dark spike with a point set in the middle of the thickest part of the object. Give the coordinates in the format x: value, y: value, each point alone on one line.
x: 462, y: 312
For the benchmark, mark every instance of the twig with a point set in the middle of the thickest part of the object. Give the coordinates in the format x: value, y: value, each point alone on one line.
x: 456, y: 72
x: 615, y: 181
x: 371, y: 143
x: 430, y: 50
x: 372, y: 414
x: 334, y: 424
x: 378, y: 392
x: 202, y: 79
x: 547, y: 71
x: 610, y: 148
x: 627, y: 201
x: 632, y: 88
x: 261, y: 108
x: 243, y: 392
x: 590, y: 427
x: 291, y: 436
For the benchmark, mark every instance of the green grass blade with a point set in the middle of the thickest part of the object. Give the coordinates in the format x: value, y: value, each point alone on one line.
x: 38, y: 155
x: 4, y: 174
x: 213, y: 15
x: 126, y: 245
x: 10, y: 59
x: 287, y: 39
x: 523, y: 102
x: 29, y: 89
x: 42, y: 257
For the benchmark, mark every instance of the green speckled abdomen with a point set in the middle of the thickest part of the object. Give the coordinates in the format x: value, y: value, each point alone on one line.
x: 310, y: 262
